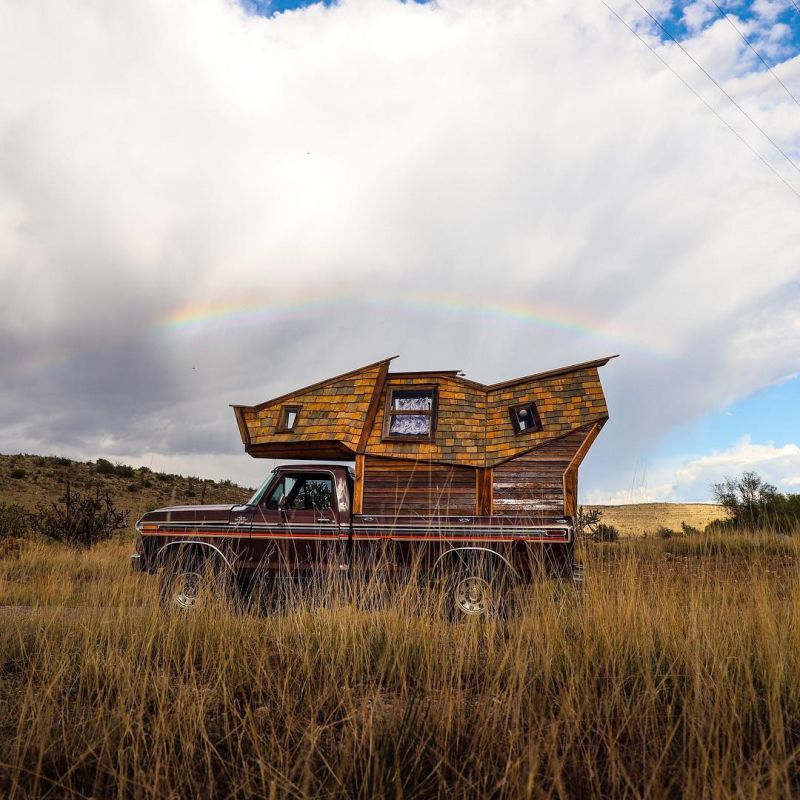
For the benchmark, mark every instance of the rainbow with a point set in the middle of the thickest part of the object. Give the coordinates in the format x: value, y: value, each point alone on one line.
x: 202, y: 315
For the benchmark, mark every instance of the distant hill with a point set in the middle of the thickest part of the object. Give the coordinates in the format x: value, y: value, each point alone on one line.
x: 641, y: 518
x: 31, y: 480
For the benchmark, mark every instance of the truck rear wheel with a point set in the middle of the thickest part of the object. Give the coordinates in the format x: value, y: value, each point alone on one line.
x: 475, y: 587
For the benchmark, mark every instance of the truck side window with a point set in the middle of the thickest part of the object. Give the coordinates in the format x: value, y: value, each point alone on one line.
x: 303, y: 492
x: 318, y: 493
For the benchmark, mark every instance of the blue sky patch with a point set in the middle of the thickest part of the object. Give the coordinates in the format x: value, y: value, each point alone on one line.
x: 770, y: 415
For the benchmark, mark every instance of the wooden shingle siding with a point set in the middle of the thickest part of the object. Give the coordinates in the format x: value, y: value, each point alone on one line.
x: 564, y: 403
x: 460, y: 423
x: 533, y: 483
x: 397, y: 487
x: 345, y: 416
x: 334, y: 411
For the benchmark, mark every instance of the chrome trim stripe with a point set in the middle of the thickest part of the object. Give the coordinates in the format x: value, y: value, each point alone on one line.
x: 362, y: 537
x: 363, y: 529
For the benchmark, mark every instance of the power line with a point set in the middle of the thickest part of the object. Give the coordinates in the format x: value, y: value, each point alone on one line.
x: 713, y: 80
x: 761, y: 58
x: 705, y: 103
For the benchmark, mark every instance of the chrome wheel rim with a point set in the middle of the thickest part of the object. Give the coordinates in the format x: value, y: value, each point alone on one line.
x: 472, y: 596
x: 188, y: 584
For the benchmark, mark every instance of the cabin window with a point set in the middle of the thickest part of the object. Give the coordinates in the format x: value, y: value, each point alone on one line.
x: 525, y: 418
x: 288, y: 419
x: 410, y: 414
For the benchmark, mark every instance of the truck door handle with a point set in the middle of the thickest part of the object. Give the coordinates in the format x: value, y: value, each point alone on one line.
x: 325, y: 519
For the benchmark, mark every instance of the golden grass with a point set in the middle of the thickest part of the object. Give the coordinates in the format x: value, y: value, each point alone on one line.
x: 672, y: 673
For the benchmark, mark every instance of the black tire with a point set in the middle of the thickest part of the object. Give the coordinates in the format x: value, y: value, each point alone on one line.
x: 192, y: 582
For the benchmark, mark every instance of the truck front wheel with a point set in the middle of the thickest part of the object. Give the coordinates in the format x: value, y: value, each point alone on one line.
x: 190, y: 582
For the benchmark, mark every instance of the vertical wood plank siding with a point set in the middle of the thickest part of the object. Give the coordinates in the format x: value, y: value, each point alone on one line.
x: 393, y: 486
x: 534, y: 482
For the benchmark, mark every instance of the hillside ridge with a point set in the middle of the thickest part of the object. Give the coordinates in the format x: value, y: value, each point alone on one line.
x: 32, y: 481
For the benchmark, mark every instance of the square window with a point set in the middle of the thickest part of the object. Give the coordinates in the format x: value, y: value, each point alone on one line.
x: 288, y: 419
x: 525, y: 418
x: 410, y: 414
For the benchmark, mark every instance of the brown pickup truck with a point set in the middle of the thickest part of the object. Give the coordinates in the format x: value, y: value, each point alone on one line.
x: 300, y: 524
x: 474, y: 485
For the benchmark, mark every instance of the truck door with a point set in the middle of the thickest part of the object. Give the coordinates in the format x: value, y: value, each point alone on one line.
x: 300, y: 510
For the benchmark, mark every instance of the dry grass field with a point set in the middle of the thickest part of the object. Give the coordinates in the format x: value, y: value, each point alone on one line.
x: 674, y: 672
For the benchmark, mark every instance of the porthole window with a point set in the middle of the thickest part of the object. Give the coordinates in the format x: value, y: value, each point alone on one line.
x: 525, y: 418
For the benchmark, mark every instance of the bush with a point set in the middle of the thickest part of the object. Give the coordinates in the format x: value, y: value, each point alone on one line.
x: 604, y: 533
x: 589, y: 525
x: 104, y: 466
x: 689, y: 530
x: 17, y: 473
x: 14, y: 521
x: 78, y: 521
x: 665, y: 533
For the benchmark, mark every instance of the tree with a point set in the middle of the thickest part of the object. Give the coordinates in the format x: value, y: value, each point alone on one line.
x: 748, y: 498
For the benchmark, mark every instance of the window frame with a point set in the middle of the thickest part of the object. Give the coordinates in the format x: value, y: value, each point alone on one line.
x: 279, y: 476
x: 388, y: 413
x: 537, y: 420
x: 283, y: 419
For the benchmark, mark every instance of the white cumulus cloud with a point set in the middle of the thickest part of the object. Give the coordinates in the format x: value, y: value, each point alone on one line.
x: 500, y: 187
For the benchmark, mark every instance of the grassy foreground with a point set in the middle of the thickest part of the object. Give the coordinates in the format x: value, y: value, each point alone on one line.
x: 675, y: 672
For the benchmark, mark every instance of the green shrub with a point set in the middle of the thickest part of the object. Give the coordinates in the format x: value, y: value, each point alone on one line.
x: 755, y: 504
x: 104, y: 466
x: 665, y: 533
x: 17, y: 473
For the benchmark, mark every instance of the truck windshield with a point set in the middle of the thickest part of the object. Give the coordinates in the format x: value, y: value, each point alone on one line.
x: 261, y: 489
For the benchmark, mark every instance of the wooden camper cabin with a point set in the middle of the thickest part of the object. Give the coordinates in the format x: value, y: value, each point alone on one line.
x: 436, y: 443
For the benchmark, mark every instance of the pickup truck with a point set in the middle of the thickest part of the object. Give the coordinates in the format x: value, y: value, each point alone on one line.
x: 299, y: 524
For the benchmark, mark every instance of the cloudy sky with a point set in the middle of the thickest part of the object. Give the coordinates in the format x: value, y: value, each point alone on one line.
x: 205, y: 202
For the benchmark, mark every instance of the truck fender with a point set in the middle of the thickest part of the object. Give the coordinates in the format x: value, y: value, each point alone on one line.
x: 209, y: 550
x: 488, y: 550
